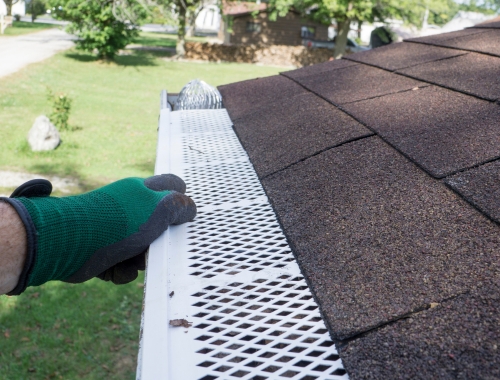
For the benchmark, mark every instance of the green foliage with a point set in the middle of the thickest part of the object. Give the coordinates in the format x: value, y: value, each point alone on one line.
x: 100, y: 25
x: 61, y: 106
x: 36, y: 8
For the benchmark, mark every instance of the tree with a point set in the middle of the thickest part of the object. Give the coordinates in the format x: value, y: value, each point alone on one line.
x: 35, y: 8
x: 347, y: 11
x: 105, y: 26
x: 9, y: 4
x: 185, y: 12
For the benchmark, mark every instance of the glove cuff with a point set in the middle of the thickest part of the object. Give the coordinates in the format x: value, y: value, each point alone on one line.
x: 31, y: 245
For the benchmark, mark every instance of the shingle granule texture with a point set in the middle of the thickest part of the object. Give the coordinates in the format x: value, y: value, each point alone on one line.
x: 457, y: 339
x: 487, y: 42
x: 481, y: 187
x: 441, y: 130
x: 438, y: 38
x: 493, y: 23
x: 280, y: 134
x: 244, y: 98
x: 400, y: 55
x: 376, y: 237
x: 356, y: 83
x: 475, y: 74
x: 318, y: 69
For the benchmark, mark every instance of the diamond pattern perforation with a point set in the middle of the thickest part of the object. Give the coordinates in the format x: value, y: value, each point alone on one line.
x: 204, y: 121
x: 266, y: 329
x: 211, y: 147
x: 235, y: 240
x: 222, y: 183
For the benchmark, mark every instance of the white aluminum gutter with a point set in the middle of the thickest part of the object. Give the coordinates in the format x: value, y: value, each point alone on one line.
x: 230, y: 273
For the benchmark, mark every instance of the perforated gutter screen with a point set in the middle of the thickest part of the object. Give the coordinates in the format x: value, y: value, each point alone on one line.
x: 230, y: 273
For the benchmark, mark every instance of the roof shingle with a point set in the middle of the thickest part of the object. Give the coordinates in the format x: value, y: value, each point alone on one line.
x: 356, y: 83
x: 400, y: 55
x: 481, y: 187
x: 475, y: 74
x: 286, y: 132
x: 442, y: 131
x: 244, y: 98
x: 376, y: 237
x: 487, y: 42
x: 457, y: 339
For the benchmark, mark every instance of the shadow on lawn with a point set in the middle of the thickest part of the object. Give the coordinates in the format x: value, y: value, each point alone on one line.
x: 135, y: 58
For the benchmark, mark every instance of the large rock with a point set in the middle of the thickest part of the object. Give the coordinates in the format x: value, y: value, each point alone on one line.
x: 43, y: 135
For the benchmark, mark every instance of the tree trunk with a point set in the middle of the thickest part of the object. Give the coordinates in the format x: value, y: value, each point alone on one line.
x: 8, y: 5
x: 181, y: 32
x: 341, y: 39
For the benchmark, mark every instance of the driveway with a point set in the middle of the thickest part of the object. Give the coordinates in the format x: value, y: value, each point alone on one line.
x: 18, y: 52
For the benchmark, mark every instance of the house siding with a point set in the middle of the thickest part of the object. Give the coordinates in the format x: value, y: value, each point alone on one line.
x: 283, y: 31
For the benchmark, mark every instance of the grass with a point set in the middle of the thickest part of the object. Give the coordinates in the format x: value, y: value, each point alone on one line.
x: 21, y: 27
x: 115, y: 111
x: 91, y: 330
x: 161, y: 39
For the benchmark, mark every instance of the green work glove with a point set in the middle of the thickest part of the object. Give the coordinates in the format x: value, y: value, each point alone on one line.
x: 104, y: 233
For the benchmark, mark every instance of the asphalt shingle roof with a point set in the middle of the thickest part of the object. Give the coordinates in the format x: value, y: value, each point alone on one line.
x: 398, y: 56
x: 383, y: 170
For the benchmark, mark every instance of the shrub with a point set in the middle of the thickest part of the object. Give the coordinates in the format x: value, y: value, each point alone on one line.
x: 97, y: 25
x: 17, y: 17
x: 61, y: 106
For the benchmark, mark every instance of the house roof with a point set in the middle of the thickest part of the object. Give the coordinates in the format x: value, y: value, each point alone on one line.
x: 242, y: 8
x: 383, y: 170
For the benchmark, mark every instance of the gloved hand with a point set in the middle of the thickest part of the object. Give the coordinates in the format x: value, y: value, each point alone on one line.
x: 104, y: 233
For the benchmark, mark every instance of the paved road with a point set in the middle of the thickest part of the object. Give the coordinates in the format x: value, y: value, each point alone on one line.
x: 18, y: 52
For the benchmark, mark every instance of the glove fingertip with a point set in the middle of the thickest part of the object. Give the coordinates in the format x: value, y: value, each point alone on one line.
x: 164, y: 182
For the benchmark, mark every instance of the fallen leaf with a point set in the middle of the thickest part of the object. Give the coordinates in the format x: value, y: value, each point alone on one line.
x: 140, y: 285
x: 35, y: 295
x: 84, y: 294
x: 31, y: 369
x: 25, y: 339
x: 433, y: 305
x: 105, y: 367
x: 6, y: 334
x: 180, y: 322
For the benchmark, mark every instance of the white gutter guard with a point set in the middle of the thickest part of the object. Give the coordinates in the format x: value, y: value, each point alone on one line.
x: 224, y: 297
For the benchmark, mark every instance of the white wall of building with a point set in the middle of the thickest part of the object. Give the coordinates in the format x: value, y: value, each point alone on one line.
x: 17, y: 9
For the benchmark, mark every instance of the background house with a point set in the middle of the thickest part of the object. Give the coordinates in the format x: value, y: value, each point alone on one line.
x: 18, y: 8
x: 248, y: 23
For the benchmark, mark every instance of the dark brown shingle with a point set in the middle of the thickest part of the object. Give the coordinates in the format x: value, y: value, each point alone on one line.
x: 487, y: 42
x: 355, y: 83
x: 481, y: 187
x: 378, y: 238
x: 244, y: 98
x: 400, y: 55
x: 441, y: 130
x: 280, y: 134
x: 475, y: 74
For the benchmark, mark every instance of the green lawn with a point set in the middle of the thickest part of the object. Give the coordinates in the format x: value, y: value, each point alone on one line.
x: 21, y: 27
x: 91, y: 330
